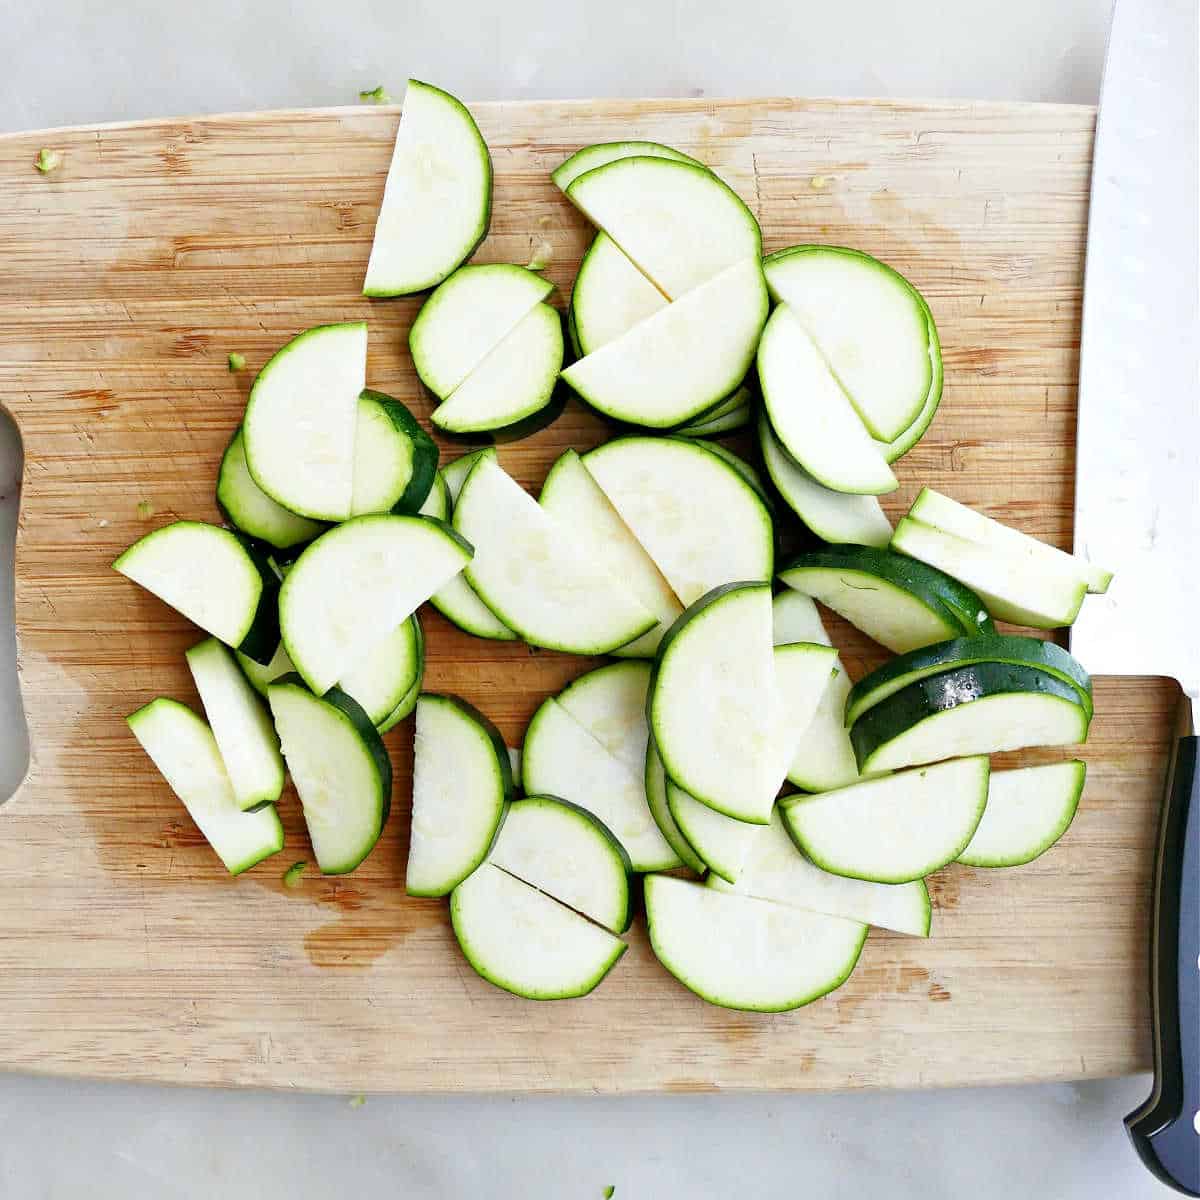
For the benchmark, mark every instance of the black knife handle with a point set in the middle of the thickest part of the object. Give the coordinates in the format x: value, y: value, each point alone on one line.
x: 1166, y: 1129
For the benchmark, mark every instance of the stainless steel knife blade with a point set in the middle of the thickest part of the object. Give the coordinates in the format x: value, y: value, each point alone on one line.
x: 1137, y: 470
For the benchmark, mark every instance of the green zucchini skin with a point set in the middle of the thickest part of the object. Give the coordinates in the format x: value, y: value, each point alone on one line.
x: 939, y: 693
x: 939, y: 590
x: 905, y: 669
x: 425, y: 452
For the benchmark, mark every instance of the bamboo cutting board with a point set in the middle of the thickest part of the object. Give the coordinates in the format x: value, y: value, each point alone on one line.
x: 127, y: 276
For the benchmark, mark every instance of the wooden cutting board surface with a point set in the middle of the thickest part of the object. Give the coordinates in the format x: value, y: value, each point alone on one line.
x: 127, y: 276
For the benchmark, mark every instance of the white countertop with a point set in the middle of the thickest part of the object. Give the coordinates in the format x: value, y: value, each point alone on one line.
x: 77, y: 61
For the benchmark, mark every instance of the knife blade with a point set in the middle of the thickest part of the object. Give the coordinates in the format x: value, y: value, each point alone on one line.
x: 1137, y: 493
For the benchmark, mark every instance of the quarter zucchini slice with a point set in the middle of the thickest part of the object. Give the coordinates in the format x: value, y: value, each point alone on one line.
x: 981, y: 709
x: 737, y: 952
x: 896, y: 829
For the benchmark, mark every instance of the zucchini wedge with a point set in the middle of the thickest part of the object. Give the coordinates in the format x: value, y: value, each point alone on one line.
x: 658, y: 801
x: 437, y: 201
x: 900, y: 604
x: 462, y: 783
x: 892, y: 830
x: 341, y: 770
x: 571, y: 855
x: 899, y: 672
x: 981, y: 709
x: 748, y: 954
x: 610, y: 703
x: 721, y: 843
x: 601, y: 153
x: 526, y: 943
x: 395, y: 460
x: 184, y: 750
x: 609, y: 297
x: 775, y: 870
x: 1028, y: 810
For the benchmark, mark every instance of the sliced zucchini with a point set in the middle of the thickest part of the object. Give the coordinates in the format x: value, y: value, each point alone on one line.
x: 720, y: 842
x: 824, y: 758
x: 610, y: 703
x: 610, y: 296
x: 656, y: 798
x: 697, y: 518
x: 467, y: 317
x: 462, y: 783
x: 775, y: 870
x: 901, y: 445
x: 1028, y: 810
x: 355, y: 584
x: 741, y: 953
x: 437, y: 201
x: 832, y: 516
x: 210, y: 576
x: 184, y: 750
x: 932, y: 508
x: 573, y: 498
x: 385, y: 683
x: 438, y: 503
x: 902, y: 605
x: 981, y: 709
x: 678, y: 223
x: 526, y: 943
x: 712, y: 703
x: 811, y: 414
x: 681, y: 360
x: 299, y: 427
x: 803, y: 673
x: 561, y: 758
x: 251, y: 510
x: 1022, y: 592
x: 514, y: 759
x: 241, y: 725
x: 512, y: 391
x: 457, y: 601
x: 384, y: 678
x: 571, y: 855
x: 869, y: 324
x: 395, y: 460
x: 591, y: 157
x: 341, y: 770
x: 899, y: 672
x: 896, y: 829
x: 742, y: 467
x: 532, y: 573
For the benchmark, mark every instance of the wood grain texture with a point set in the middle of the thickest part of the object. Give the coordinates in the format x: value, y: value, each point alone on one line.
x: 128, y: 276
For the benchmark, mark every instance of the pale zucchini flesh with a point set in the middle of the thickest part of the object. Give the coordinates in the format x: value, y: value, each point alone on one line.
x: 696, y: 517
x: 355, y: 584
x: 678, y: 223
x: 389, y: 671
x: 803, y: 673
x: 240, y: 723
x: 681, y: 360
x: 601, y: 153
x: 748, y: 954
x: 184, y: 750
x: 437, y: 200
x: 526, y: 943
x: 932, y: 508
x: 712, y: 702
x: 658, y: 801
x: 720, y: 842
x: 610, y: 703
x: 532, y: 573
x: 568, y: 853
x: 467, y: 317
x: 341, y: 770
x: 573, y: 498
x: 395, y: 460
x: 462, y: 782
x: 561, y: 758
x: 869, y: 325
x: 610, y: 296
x: 300, y: 422
x: 832, y: 516
x: 896, y: 829
x: 1021, y: 592
x: 775, y: 870
x: 1028, y: 810
x: 811, y: 415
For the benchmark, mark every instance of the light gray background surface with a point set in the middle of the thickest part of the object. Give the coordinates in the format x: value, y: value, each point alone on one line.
x: 79, y: 61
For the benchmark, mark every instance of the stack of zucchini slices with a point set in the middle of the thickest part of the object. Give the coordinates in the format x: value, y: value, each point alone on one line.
x: 772, y: 809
